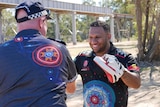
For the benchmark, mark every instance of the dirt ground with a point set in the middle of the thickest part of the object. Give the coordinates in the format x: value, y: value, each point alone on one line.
x: 148, y: 95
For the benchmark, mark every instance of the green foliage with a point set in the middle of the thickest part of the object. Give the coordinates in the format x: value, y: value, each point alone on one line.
x: 65, y: 20
x: 122, y: 6
x: 8, y: 24
x: 51, y: 30
x: 83, y: 25
x: 79, y: 38
x: 65, y: 25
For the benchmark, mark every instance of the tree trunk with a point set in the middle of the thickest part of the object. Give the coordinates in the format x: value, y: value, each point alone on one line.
x: 139, y: 29
x: 146, y: 25
x: 153, y: 54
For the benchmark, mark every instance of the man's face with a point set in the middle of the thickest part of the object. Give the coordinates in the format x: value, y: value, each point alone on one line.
x: 99, y: 40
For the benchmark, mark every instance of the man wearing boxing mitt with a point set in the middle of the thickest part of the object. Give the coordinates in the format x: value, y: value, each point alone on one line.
x: 106, y: 71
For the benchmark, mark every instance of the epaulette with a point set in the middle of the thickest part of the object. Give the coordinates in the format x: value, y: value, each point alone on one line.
x: 121, y: 53
x: 87, y: 53
x: 57, y: 40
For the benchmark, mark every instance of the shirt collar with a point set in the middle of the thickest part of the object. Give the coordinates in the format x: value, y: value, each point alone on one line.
x: 28, y: 32
x: 111, y: 49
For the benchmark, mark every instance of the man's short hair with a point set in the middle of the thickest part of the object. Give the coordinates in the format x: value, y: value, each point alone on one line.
x: 102, y: 24
x: 33, y: 10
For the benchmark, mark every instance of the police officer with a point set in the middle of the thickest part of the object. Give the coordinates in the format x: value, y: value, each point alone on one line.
x: 34, y: 71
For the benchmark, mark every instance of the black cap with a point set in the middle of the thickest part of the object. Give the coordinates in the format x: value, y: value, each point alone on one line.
x: 33, y: 10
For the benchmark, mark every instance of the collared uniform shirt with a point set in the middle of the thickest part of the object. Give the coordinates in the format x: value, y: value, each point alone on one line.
x: 34, y: 71
x: 97, y: 90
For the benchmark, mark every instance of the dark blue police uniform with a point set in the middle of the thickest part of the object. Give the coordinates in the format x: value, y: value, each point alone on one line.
x: 34, y: 71
x: 97, y: 90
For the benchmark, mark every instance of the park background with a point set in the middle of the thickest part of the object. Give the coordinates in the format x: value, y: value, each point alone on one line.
x: 143, y: 43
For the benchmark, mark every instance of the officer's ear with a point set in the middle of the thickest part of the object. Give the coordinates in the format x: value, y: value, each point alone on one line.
x: 109, y: 36
x: 41, y: 21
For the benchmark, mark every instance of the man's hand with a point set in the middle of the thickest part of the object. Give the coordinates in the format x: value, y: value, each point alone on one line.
x: 111, y: 66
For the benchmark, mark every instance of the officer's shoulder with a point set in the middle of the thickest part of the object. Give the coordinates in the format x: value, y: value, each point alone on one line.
x: 86, y: 53
x: 58, y: 40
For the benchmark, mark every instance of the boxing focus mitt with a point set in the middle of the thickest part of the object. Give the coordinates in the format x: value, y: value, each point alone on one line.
x: 111, y: 66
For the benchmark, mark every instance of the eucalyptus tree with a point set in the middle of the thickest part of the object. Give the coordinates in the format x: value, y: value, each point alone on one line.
x: 51, y: 27
x: 148, y: 24
x: 8, y: 24
x: 83, y: 22
x: 65, y: 24
x: 123, y: 8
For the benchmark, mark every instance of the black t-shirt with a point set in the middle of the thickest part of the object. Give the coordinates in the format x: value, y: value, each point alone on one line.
x: 34, y: 71
x: 97, y: 90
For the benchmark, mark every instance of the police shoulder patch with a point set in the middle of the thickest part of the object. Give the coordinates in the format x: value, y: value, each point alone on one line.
x: 47, y: 55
